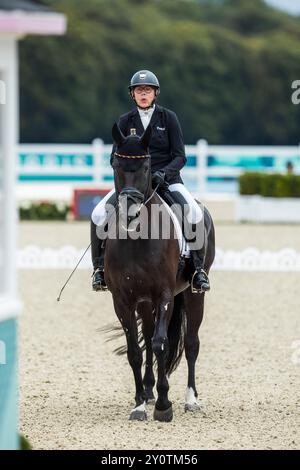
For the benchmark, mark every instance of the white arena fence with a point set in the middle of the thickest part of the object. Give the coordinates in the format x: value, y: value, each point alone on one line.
x: 249, y: 259
x: 209, y: 168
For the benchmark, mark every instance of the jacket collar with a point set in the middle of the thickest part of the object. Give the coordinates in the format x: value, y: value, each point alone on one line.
x: 136, y: 120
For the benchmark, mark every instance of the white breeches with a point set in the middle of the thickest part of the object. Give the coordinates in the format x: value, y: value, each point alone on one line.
x: 193, y: 216
x: 195, y: 212
x: 99, y: 211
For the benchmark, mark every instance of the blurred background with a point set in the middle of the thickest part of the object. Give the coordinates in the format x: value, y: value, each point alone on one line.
x: 230, y: 69
x: 225, y: 67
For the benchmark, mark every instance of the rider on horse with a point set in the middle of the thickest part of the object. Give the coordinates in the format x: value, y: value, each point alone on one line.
x: 167, y: 158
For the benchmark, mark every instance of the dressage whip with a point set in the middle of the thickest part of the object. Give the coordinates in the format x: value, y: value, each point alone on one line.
x: 61, y: 290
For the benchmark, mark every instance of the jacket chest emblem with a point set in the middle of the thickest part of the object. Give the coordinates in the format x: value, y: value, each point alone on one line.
x: 160, y: 128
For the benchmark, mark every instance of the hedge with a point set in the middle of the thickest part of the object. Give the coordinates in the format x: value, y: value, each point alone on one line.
x: 269, y: 185
x: 44, y: 211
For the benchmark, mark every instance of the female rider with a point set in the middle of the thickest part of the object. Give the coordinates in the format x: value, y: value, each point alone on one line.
x: 167, y: 152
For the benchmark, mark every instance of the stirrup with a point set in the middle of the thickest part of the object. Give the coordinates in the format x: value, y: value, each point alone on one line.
x: 193, y: 289
x: 99, y: 286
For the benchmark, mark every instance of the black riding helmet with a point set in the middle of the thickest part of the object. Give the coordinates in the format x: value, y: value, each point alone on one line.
x: 144, y: 77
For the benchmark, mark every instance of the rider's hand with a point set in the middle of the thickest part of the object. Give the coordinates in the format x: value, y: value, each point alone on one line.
x: 159, y: 178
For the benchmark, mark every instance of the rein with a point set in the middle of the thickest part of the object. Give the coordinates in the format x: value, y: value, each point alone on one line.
x: 151, y: 196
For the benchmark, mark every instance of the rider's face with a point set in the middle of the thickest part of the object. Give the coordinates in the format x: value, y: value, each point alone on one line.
x: 144, y: 95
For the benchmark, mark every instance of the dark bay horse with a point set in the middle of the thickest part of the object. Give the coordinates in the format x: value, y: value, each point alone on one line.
x: 142, y: 275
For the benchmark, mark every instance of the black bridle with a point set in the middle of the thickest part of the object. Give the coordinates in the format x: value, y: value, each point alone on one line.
x: 131, y: 193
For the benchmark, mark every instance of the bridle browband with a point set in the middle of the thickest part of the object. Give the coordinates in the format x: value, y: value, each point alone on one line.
x: 131, y: 156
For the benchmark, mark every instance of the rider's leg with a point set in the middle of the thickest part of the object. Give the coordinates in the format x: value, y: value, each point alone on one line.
x: 99, y: 220
x: 97, y: 249
x: 195, y: 234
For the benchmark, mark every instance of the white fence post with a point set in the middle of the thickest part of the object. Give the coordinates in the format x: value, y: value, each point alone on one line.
x: 98, y: 154
x: 202, y: 154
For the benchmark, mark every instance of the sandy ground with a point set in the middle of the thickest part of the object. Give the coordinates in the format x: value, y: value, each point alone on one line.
x: 76, y: 394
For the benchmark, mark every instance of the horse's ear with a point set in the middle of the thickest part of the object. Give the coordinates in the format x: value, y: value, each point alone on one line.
x: 145, y: 139
x: 117, y: 135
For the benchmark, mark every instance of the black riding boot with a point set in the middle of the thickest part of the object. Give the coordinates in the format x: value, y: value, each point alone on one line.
x: 200, y: 281
x: 98, y: 249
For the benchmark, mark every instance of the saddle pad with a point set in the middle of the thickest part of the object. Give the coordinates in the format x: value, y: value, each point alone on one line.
x: 183, y: 245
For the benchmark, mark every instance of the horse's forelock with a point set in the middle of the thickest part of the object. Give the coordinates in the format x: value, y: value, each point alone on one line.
x: 132, y: 146
x: 132, y: 165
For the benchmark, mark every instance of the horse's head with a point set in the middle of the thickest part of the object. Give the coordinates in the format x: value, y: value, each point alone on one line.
x: 132, y: 170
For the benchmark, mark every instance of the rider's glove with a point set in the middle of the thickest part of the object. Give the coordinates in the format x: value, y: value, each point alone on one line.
x: 159, y: 178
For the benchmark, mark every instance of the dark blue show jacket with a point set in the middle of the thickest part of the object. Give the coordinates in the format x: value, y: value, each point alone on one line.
x: 166, y: 144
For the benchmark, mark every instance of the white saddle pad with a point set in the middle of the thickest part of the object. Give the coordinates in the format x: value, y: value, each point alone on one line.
x: 183, y: 245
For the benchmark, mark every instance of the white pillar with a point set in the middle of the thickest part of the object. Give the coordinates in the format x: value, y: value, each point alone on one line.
x: 98, y: 154
x: 9, y: 137
x: 9, y: 306
x: 202, y: 154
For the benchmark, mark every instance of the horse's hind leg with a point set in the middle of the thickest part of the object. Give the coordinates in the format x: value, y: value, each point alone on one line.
x: 194, y: 306
x: 135, y: 359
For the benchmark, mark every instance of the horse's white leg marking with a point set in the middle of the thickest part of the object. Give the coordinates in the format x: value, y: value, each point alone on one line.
x: 191, y: 403
x: 141, y: 407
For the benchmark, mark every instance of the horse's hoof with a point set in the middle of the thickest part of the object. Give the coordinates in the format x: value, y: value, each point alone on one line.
x: 137, y: 415
x: 192, y: 407
x: 163, y: 415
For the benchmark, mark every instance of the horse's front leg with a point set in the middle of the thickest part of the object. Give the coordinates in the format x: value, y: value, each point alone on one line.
x: 146, y: 312
x: 135, y: 359
x: 163, y: 407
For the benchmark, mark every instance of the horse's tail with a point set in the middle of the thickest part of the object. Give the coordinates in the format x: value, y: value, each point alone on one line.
x: 176, y: 332
x: 114, y: 331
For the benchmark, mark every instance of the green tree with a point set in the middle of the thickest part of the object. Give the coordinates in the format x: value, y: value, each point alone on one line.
x: 226, y: 67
